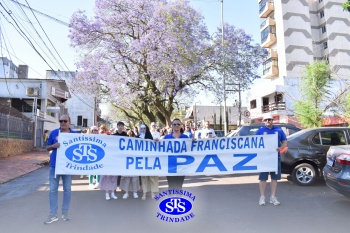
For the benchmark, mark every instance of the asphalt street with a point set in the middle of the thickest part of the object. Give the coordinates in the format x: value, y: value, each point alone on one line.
x: 223, y: 204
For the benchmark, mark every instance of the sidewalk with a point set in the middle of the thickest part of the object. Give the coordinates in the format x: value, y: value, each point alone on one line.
x: 16, y: 166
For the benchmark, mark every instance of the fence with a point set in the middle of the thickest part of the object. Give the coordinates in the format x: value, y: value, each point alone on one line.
x: 16, y: 128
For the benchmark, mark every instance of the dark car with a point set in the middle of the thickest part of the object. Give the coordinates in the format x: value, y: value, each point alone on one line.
x: 219, y: 133
x: 307, y: 149
x: 336, y: 173
x: 251, y: 129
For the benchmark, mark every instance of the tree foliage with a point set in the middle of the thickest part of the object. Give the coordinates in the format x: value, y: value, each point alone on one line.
x: 144, y: 56
x: 315, y: 92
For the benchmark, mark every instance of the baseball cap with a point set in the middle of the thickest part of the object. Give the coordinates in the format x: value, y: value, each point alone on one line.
x: 267, y: 116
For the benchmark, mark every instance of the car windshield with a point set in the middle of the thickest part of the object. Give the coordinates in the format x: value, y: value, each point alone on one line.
x: 294, y: 135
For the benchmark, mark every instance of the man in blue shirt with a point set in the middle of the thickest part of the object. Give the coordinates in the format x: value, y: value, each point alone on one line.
x: 52, y: 145
x: 269, y: 128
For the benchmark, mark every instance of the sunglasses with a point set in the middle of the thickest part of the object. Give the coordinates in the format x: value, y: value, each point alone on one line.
x: 142, y: 128
x: 176, y: 124
x: 61, y: 121
x: 268, y: 120
x: 153, y: 125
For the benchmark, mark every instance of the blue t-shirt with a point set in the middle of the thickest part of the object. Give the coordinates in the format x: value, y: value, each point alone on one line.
x: 189, y: 133
x: 281, y: 135
x: 52, y: 140
x: 170, y: 136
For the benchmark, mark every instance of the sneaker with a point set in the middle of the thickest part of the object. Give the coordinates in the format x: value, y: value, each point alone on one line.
x: 136, y: 196
x: 107, y: 196
x: 51, y: 219
x: 91, y: 186
x: 114, y: 196
x: 65, y: 217
x: 125, y: 196
x: 273, y: 200
x: 96, y: 186
x: 262, y: 201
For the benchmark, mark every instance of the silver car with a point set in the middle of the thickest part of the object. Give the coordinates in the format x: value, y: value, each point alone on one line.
x: 336, y: 172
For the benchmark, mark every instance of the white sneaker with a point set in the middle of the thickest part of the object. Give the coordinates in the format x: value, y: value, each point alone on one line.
x: 95, y: 186
x: 91, y: 186
x: 107, y: 196
x: 262, y: 201
x: 125, y: 196
x: 136, y: 196
x: 114, y: 196
x: 273, y: 200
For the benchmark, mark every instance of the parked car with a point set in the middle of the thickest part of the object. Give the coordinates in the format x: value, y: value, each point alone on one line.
x: 336, y: 172
x: 307, y: 149
x: 251, y: 129
x: 219, y: 133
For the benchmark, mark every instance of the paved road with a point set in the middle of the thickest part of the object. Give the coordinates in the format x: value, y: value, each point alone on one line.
x: 223, y: 204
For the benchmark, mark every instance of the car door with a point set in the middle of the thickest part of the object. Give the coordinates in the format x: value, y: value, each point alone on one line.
x: 321, y: 141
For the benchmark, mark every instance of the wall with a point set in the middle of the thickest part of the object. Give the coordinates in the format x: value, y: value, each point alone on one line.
x: 11, y: 147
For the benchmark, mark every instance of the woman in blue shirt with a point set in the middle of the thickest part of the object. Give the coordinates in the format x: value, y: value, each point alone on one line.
x: 175, y: 182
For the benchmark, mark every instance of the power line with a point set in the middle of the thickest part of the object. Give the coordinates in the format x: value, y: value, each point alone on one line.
x: 41, y: 13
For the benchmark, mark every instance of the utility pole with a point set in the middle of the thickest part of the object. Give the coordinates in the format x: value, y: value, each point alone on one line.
x: 223, y: 61
x: 239, y: 105
x: 239, y: 101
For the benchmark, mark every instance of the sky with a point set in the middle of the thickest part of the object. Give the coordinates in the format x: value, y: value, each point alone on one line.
x: 60, y: 56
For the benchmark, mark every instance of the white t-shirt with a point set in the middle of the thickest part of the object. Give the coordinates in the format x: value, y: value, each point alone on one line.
x: 155, y: 134
x: 208, y: 133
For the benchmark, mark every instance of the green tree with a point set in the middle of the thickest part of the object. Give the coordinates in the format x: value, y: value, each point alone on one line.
x: 314, y: 89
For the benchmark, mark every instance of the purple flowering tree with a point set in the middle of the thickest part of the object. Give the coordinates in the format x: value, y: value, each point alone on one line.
x: 144, y: 56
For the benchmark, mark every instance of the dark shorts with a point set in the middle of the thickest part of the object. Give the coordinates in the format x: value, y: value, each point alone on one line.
x: 274, y: 176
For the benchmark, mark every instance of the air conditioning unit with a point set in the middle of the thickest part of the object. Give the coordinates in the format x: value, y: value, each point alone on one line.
x: 32, y: 91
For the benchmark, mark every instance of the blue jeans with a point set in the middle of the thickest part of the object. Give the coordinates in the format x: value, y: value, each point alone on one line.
x: 53, y: 195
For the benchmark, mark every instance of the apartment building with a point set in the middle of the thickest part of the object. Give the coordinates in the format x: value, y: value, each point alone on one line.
x: 296, y: 33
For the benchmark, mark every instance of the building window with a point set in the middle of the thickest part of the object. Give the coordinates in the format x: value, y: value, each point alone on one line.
x: 265, y: 33
x: 279, y: 98
x: 321, y: 14
x: 323, y: 29
x: 79, y: 120
x: 325, y: 45
x: 252, y: 104
x: 85, y: 122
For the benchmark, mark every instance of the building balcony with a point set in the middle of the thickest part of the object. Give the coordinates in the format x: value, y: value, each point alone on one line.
x: 265, y: 8
x: 270, y: 68
x: 268, y: 40
x: 272, y: 54
x: 273, y: 107
x: 270, y: 21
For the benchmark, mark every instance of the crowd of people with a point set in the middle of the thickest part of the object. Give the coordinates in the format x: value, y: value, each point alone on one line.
x: 143, y: 184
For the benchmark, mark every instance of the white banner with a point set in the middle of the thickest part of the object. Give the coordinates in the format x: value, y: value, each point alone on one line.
x: 94, y: 154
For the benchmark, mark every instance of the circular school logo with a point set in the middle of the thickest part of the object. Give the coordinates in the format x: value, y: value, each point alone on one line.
x: 84, y: 153
x: 175, y: 205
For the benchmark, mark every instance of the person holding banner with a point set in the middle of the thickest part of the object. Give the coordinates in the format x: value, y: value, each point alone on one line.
x: 127, y: 181
x: 108, y: 183
x: 175, y: 182
x: 52, y: 145
x: 149, y: 183
x: 269, y: 128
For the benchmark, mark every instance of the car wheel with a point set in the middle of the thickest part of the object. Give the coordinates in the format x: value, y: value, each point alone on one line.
x: 304, y: 174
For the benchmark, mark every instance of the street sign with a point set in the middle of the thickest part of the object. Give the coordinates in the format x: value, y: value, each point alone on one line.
x: 246, y: 113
